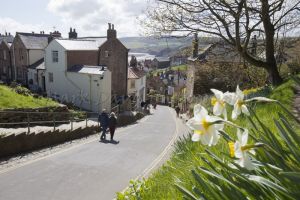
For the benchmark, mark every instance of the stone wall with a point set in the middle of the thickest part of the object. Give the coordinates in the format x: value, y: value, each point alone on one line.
x: 124, y: 120
x: 22, y: 143
x: 82, y: 58
x: 60, y: 113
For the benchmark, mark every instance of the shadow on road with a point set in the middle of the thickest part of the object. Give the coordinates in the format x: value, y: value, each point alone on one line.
x: 109, y: 141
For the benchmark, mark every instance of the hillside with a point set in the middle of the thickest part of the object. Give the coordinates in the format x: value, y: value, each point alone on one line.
x: 160, y: 46
x: 11, y: 99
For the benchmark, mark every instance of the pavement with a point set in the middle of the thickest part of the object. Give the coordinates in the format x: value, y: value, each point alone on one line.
x: 95, y: 170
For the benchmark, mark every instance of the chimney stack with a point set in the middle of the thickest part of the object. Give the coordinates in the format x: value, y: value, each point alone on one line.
x: 55, y: 34
x: 72, y: 34
x: 111, y: 32
x: 195, y: 45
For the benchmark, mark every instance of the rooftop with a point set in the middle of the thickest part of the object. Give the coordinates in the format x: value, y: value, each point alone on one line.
x: 88, y: 69
x: 40, y: 64
x: 82, y: 44
x: 7, y: 38
x: 162, y: 59
x: 33, y: 40
x: 135, y: 73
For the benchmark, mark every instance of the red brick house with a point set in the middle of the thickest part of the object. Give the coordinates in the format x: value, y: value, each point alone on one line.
x: 114, y: 55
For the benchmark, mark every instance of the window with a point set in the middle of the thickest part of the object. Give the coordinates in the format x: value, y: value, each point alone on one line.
x: 50, y: 77
x: 132, y: 84
x: 55, y: 56
x: 106, y: 53
x: 4, y: 54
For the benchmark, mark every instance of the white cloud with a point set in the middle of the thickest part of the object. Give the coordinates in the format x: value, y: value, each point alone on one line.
x: 90, y: 17
x: 13, y: 26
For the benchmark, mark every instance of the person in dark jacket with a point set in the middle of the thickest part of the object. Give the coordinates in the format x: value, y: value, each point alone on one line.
x: 104, y: 122
x: 112, y: 125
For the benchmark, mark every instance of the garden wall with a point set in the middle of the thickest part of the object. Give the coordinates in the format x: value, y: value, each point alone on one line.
x: 60, y: 113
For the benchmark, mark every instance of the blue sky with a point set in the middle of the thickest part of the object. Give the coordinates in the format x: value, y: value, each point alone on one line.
x: 89, y: 17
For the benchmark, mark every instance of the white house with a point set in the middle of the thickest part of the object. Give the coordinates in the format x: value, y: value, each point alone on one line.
x: 137, y: 84
x: 72, y: 74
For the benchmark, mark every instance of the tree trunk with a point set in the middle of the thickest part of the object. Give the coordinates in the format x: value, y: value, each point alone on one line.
x: 271, y: 67
x: 273, y: 75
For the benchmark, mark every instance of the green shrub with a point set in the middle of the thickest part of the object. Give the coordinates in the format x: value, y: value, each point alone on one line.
x: 22, y: 90
x: 294, y: 67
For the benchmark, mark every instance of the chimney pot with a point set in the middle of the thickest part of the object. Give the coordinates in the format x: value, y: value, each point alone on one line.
x: 70, y: 29
x: 113, y: 26
x: 5, y: 33
x: 74, y: 30
x: 109, y: 26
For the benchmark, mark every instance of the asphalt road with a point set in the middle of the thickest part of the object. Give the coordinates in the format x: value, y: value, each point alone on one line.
x: 93, y: 170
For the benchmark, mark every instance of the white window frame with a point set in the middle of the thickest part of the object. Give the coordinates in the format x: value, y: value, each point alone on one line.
x: 106, y: 53
x: 55, y: 56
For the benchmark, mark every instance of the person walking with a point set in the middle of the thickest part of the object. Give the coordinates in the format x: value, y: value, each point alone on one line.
x: 104, y: 122
x: 112, y: 125
x: 177, y: 109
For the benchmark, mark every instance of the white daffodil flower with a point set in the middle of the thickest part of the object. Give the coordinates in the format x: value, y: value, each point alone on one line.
x: 239, y: 105
x: 205, y: 127
x: 219, y: 103
x: 240, y: 150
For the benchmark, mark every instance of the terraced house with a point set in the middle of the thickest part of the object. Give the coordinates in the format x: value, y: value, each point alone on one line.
x: 27, y: 49
x: 5, y: 57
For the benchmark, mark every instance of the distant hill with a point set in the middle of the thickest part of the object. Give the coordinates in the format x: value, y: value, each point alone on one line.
x: 162, y: 46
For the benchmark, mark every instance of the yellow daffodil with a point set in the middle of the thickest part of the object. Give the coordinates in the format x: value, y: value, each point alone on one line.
x: 240, y: 150
x: 239, y: 105
x: 205, y: 127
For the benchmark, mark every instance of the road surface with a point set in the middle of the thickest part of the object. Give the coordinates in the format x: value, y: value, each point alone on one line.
x: 93, y: 170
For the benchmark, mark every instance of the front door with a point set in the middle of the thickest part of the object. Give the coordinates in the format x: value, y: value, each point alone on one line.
x: 44, y: 83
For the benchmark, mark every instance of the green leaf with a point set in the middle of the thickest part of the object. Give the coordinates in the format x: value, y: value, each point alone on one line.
x: 214, y: 174
x: 266, y: 182
x: 293, y: 176
x: 186, y: 192
x: 293, y: 134
x: 287, y: 139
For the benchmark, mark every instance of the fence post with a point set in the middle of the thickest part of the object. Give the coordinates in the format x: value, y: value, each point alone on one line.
x: 86, y: 116
x: 53, y: 121
x: 28, y: 123
x: 71, y: 121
